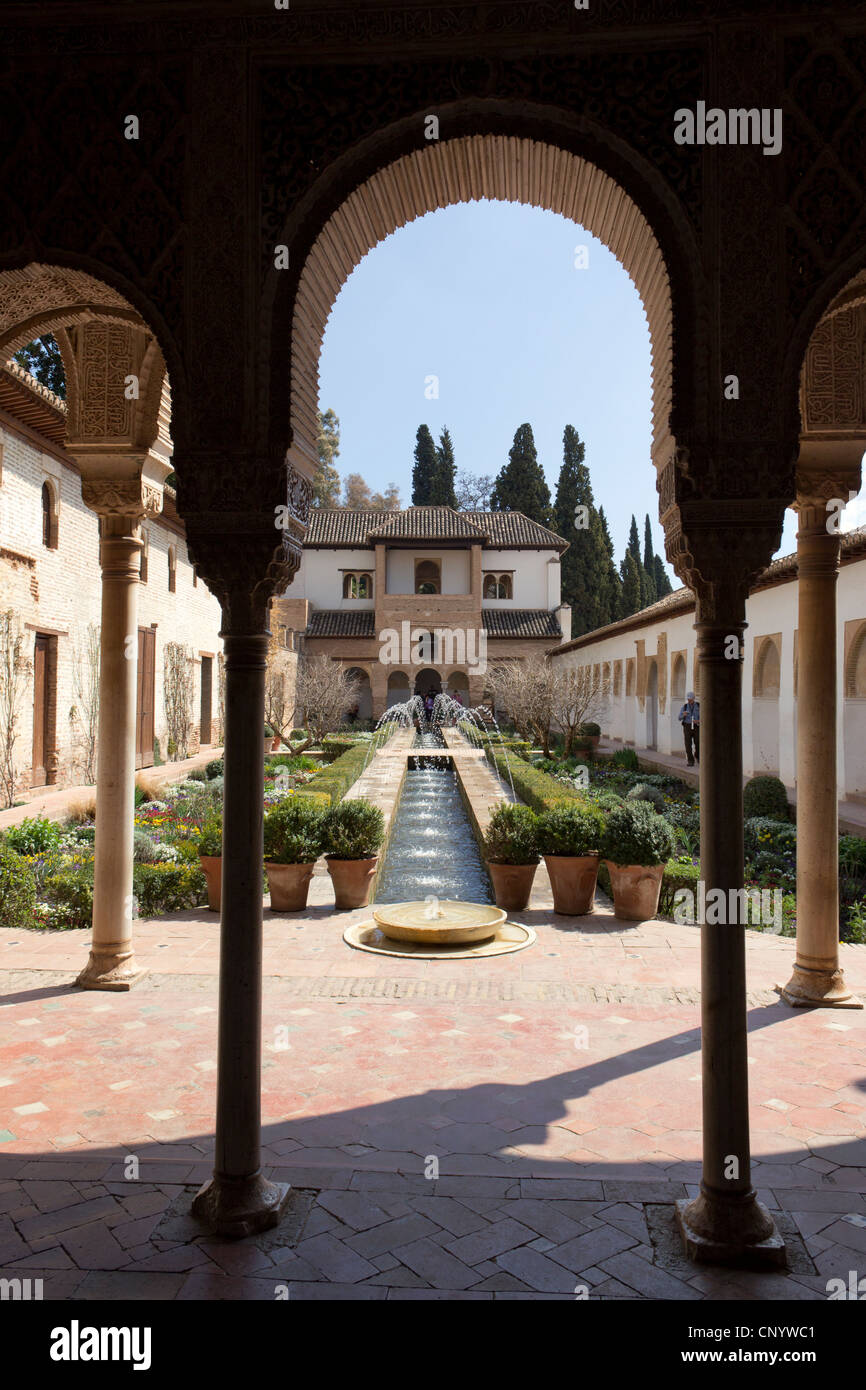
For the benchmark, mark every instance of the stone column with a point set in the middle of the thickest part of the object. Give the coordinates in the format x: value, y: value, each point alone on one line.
x: 238, y: 1200
x: 817, y: 977
x: 112, y: 964
x: 726, y: 1222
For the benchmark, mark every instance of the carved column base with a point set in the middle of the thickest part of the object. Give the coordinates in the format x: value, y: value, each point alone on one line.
x: 238, y: 1207
x: 107, y: 969
x: 730, y: 1228
x: 818, y: 989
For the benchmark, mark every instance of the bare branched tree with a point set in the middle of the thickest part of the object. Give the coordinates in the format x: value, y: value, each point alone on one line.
x: 279, y: 688
x: 14, y: 673
x: 323, y: 696
x: 577, y: 699
x: 84, y: 714
x: 542, y: 696
x: 177, y: 694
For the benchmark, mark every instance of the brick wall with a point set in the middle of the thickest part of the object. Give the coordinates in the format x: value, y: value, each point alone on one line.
x: 58, y: 592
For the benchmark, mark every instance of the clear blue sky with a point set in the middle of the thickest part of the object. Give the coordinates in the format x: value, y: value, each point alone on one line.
x: 486, y: 297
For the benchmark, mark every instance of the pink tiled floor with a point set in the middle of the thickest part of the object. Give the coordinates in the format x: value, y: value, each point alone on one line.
x: 567, y: 1072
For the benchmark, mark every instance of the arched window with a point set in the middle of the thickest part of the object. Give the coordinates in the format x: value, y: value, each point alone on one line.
x: 172, y: 570
x: 428, y: 577
x: 497, y: 586
x: 49, y: 518
x: 855, y: 674
x: 357, y: 585
x: 768, y: 671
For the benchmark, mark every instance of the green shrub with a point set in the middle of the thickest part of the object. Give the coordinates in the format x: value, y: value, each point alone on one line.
x: 298, y: 735
x: 573, y: 830
x: 678, y: 875
x: 641, y: 791
x: 539, y: 790
x: 294, y: 832
x: 625, y: 758
x: 34, y: 835
x: 158, y: 760
x: 765, y: 796
x: 161, y: 888
x: 85, y: 834
x: 854, y: 927
x: 590, y: 730
x: 320, y: 799
x: 335, y: 745
x: 139, y: 796
x: 852, y: 856
x: 635, y: 834
x: 353, y: 830
x: 72, y: 888
x: 269, y: 732
x: 210, y: 837
x: 17, y: 889
x: 144, y: 849
x: 197, y: 774
x: 512, y: 836
x: 215, y: 787
x: 764, y: 834
x: 215, y: 768
x: 336, y: 779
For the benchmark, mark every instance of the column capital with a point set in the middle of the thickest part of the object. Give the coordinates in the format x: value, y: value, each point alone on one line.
x: 719, y: 548
x: 131, y: 498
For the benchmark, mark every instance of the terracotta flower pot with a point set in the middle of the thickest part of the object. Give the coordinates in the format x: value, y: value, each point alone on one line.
x: 636, y: 889
x: 289, y: 885
x: 275, y: 743
x: 512, y: 884
x: 572, y: 878
x: 353, y: 881
x: 212, y: 868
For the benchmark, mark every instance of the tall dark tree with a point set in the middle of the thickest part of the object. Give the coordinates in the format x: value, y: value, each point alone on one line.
x: 649, y: 568
x: 633, y: 546
x: 609, y: 583
x: 442, y: 490
x: 573, y: 512
x: 42, y: 359
x: 520, y: 485
x: 663, y: 584
x: 631, y: 586
x: 424, y: 471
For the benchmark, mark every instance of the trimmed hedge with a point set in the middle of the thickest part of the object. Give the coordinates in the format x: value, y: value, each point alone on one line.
x: 339, y: 776
x: 335, y: 745
x: 765, y: 796
x: 537, y: 789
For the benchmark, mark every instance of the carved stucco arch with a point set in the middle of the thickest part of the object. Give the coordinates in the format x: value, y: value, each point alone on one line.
x: 852, y: 664
x: 38, y: 298
x: 497, y: 167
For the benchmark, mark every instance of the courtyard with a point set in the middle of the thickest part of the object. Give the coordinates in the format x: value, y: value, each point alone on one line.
x: 508, y: 1128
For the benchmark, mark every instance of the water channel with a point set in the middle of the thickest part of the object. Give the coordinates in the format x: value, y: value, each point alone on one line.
x: 432, y: 849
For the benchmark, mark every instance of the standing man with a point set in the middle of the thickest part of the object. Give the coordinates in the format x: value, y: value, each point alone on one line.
x: 690, y: 718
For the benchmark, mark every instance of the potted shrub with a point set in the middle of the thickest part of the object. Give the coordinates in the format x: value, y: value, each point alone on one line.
x: 293, y: 843
x: 210, y: 853
x: 590, y: 733
x: 353, y: 834
x: 272, y: 738
x: 636, y: 845
x: 569, y: 838
x: 511, y: 851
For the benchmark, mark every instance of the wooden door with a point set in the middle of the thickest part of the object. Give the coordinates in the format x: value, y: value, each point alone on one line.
x: 146, y: 697
x: 40, y: 710
x: 206, y: 699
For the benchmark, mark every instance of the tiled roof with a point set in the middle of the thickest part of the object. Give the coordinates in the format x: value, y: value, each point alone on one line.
x: 328, y: 622
x: 513, y: 530
x: 335, y: 527
x: 520, y: 622
x: 426, y: 523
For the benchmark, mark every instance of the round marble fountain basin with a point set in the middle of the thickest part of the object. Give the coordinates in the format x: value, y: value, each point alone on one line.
x: 458, y: 924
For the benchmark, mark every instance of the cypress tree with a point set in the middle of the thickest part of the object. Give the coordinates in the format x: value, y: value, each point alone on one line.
x: 631, y: 587
x: 424, y: 471
x: 663, y: 584
x: 520, y: 485
x: 609, y: 583
x: 633, y: 546
x: 442, y: 489
x: 573, y: 514
x: 649, y: 567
